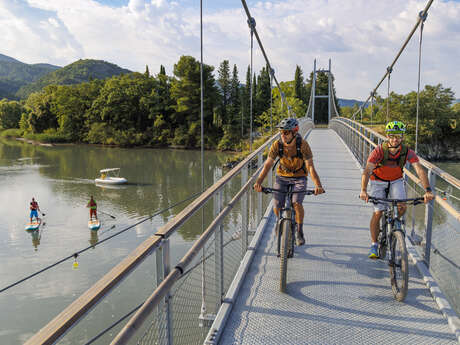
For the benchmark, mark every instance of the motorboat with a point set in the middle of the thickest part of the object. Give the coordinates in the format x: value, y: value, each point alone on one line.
x: 110, y: 177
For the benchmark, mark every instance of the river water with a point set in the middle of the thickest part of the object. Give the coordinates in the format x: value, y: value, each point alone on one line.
x: 61, y: 178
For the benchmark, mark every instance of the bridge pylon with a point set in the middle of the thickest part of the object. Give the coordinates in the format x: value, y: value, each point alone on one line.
x: 329, y: 94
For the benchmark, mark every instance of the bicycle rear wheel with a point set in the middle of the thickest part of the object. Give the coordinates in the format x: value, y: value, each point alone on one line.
x: 286, y: 239
x: 399, y: 270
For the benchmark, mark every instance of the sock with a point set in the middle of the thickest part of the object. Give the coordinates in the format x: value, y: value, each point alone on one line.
x: 374, y: 243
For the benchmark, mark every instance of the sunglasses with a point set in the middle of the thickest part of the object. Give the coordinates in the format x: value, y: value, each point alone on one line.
x: 285, y: 132
x: 395, y: 136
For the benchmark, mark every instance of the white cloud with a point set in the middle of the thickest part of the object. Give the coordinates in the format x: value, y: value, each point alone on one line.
x: 361, y: 37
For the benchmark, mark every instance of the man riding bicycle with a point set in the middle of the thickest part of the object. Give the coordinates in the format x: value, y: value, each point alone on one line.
x: 296, y: 161
x: 385, y: 169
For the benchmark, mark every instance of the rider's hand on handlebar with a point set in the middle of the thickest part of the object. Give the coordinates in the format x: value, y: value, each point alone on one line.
x: 364, y: 196
x: 257, y: 187
x: 428, y: 196
x: 319, y: 190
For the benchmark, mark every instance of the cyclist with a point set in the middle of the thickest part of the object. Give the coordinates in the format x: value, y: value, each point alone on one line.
x: 385, y: 169
x: 296, y: 161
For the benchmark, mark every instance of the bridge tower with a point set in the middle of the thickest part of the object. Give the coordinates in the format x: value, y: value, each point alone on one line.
x: 329, y: 95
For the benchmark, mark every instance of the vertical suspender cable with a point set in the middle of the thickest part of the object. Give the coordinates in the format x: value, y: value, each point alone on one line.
x: 372, y: 107
x: 252, y: 24
x: 389, y: 70
x: 423, y: 17
x: 271, y: 101
x: 203, y: 288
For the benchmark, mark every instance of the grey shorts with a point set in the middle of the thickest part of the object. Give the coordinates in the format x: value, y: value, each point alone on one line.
x: 397, y: 191
x: 300, y: 184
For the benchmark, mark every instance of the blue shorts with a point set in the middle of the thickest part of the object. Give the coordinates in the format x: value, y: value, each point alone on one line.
x: 33, y: 213
x: 300, y: 184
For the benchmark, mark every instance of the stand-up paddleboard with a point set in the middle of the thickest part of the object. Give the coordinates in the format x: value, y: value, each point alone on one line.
x: 34, y: 225
x: 94, y: 224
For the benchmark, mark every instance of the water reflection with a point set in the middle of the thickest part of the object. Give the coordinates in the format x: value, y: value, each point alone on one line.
x: 35, y: 234
x: 93, y: 237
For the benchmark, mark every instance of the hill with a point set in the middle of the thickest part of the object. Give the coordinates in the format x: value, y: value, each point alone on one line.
x: 75, y: 73
x: 14, y: 74
x: 349, y: 102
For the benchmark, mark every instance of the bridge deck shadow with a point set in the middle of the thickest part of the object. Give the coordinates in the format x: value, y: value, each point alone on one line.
x: 335, y: 294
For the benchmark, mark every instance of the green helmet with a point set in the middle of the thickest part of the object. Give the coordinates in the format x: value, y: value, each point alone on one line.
x: 395, y: 127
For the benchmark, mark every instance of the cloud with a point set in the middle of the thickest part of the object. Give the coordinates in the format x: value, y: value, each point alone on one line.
x: 361, y: 37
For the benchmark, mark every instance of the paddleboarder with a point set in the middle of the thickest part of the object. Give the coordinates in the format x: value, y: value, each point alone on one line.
x: 33, y: 210
x: 92, y: 208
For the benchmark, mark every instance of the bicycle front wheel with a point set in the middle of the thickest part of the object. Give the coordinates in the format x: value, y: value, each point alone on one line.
x: 399, y: 270
x: 286, y: 238
x: 382, y: 239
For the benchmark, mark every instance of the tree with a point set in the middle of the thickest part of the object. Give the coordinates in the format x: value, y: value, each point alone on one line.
x: 225, y: 89
x: 235, y: 98
x: 10, y: 114
x: 299, y: 86
x: 232, y: 130
x: 185, y: 90
x: 263, y: 94
x: 39, y: 105
x: 245, y: 103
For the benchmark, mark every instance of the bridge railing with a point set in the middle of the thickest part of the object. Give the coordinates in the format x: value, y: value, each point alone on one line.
x: 188, y: 292
x: 434, y: 230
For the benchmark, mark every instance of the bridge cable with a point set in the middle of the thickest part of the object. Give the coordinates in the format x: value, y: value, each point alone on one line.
x: 203, y: 268
x: 250, y: 19
x: 74, y: 255
x: 252, y: 26
x: 423, y: 17
x: 389, y: 69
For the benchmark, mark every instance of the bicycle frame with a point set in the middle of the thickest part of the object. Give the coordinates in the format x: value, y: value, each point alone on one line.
x: 287, y: 213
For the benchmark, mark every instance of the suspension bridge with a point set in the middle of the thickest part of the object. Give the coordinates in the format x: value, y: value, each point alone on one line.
x: 225, y: 289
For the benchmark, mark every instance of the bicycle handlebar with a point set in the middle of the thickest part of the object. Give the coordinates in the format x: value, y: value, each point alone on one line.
x: 268, y: 190
x: 414, y: 201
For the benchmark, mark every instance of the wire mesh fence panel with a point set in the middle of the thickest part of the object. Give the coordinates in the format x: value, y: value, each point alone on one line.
x: 197, y: 295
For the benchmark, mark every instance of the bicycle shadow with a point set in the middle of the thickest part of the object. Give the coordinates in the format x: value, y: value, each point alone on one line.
x: 342, y: 257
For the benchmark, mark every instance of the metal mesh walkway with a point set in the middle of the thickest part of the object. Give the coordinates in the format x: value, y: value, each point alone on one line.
x: 335, y: 294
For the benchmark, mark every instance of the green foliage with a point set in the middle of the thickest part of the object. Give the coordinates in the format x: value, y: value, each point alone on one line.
x: 185, y: 89
x: 48, y: 136
x: 11, y: 133
x: 10, y: 114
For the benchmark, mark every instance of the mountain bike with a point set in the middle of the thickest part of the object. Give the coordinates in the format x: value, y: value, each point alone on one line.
x: 285, y: 228
x: 391, y: 240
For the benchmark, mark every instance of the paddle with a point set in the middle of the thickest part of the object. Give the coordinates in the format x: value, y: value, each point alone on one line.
x: 106, y: 214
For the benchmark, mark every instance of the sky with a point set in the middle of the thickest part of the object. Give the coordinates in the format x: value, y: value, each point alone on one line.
x: 361, y: 37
